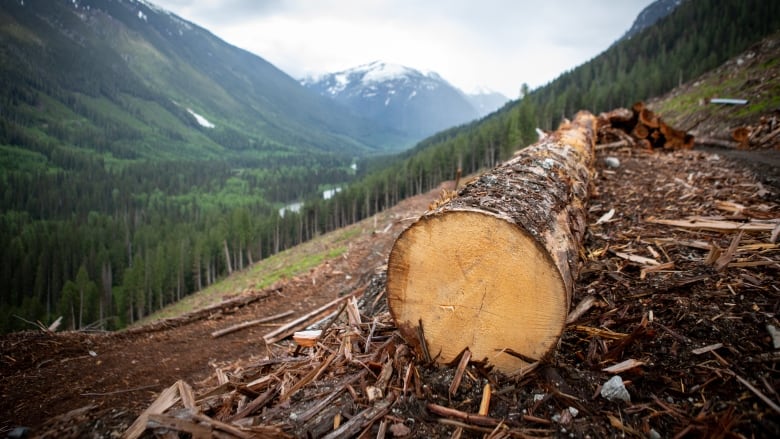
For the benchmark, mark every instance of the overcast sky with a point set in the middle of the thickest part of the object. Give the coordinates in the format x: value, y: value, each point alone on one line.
x: 497, y: 44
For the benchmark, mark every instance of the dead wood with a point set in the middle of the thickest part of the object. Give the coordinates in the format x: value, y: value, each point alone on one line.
x: 248, y: 324
x: 695, y: 346
x: 646, y: 129
x: 302, y: 321
x: 493, y: 268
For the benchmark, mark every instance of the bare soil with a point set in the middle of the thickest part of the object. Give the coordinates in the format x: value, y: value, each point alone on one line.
x: 118, y: 374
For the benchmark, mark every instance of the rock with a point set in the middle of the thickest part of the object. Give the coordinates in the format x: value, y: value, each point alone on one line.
x: 775, y: 335
x: 614, y: 389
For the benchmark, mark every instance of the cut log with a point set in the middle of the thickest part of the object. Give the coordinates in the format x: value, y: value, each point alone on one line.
x: 648, y: 118
x: 640, y: 131
x: 493, y: 269
x: 742, y: 136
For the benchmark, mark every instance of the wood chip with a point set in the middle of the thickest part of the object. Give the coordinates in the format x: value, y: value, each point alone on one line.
x: 164, y: 401
x: 636, y: 258
x: 705, y: 349
x: 623, y: 366
x: 699, y: 223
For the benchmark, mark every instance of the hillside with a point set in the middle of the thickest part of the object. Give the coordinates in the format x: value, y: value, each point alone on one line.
x: 126, y: 80
x: 106, y: 241
x: 702, y: 339
x: 698, y: 334
x: 129, y: 133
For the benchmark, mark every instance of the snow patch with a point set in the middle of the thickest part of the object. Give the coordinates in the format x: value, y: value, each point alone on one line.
x: 380, y: 71
x: 202, y: 121
x: 341, y: 80
x: 142, y: 16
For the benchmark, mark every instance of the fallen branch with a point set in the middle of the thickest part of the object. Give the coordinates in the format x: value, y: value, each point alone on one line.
x: 363, y: 419
x: 714, y: 225
x: 773, y: 405
x: 248, y: 324
x: 301, y: 322
x: 471, y: 418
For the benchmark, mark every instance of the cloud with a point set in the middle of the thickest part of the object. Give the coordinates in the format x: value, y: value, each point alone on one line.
x: 495, y: 43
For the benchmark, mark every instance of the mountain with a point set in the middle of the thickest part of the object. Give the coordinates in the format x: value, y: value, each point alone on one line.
x: 133, y: 141
x: 128, y: 80
x: 400, y: 97
x: 486, y: 101
x: 650, y: 15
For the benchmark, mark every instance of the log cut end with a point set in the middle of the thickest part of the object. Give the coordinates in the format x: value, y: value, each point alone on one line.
x: 476, y: 280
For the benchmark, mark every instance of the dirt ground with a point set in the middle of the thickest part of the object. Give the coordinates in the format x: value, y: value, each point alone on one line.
x: 697, y: 328
x: 119, y: 374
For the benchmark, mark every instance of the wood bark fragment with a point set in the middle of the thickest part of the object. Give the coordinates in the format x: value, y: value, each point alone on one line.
x: 501, y: 256
x: 164, y: 401
x: 471, y: 418
x: 581, y: 308
x: 623, y: 366
x: 484, y: 405
x: 714, y: 225
x: 464, y: 361
x: 773, y: 405
x: 363, y: 419
x: 706, y: 349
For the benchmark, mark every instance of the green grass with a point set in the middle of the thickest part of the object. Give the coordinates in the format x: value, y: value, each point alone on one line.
x: 284, y: 265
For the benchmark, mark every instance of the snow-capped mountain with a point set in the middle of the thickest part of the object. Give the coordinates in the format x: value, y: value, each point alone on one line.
x: 402, y: 98
x: 651, y: 14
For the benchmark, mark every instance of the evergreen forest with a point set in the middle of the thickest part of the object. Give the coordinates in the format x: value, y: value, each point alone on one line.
x: 106, y: 236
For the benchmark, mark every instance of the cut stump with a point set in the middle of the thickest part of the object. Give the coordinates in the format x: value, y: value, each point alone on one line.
x: 493, y: 268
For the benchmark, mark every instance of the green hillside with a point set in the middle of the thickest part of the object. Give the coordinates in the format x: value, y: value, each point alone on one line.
x: 698, y: 36
x: 127, y: 132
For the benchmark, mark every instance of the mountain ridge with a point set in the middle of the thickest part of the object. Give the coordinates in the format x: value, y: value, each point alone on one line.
x: 418, y: 102
x: 157, y: 56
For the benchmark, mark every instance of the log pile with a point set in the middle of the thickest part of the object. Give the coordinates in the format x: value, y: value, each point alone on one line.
x: 764, y: 134
x: 640, y: 127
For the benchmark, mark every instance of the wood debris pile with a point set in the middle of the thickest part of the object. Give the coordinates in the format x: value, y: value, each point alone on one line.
x: 642, y: 128
x: 764, y: 134
x: 674, y: 333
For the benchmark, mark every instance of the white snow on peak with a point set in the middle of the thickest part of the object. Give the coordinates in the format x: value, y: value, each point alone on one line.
x: 202, y: 121
x: 378, y: 71
x: 341, y: 81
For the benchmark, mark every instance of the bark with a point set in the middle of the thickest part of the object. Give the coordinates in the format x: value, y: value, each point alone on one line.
x: 493, y: 268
